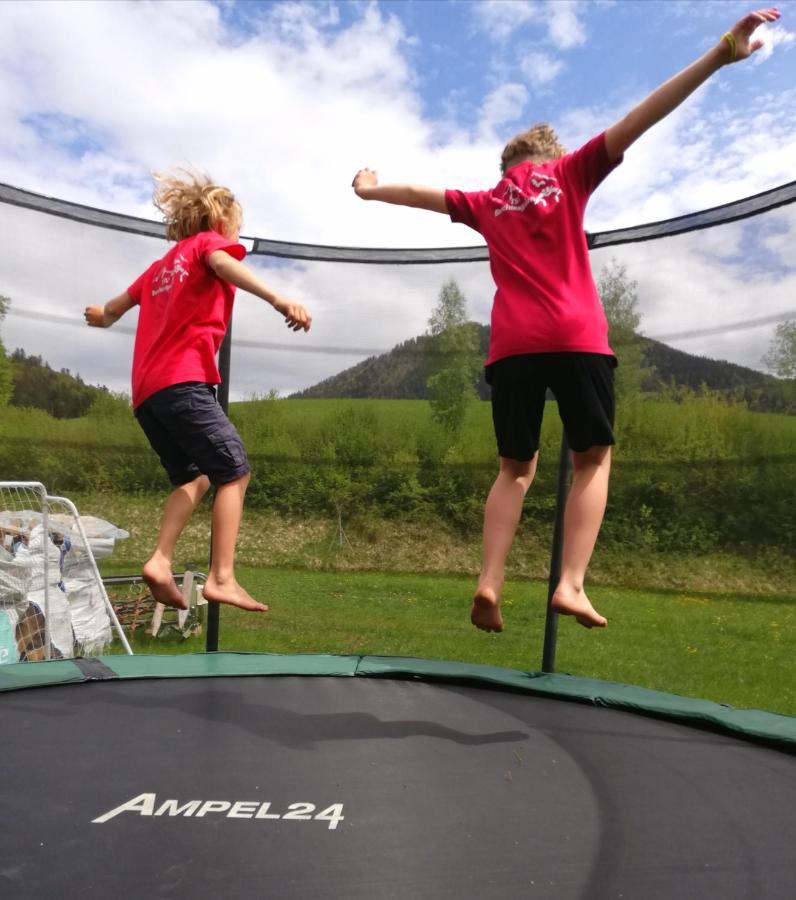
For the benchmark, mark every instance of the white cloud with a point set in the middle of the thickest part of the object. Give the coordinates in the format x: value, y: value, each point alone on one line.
x: 566, y: 29
x: 502, y: 106
x: 773, y: 36
x: 285, y: 126
x: 540, y: 68
x: 499, y: 19
x: 502, y: 19
x: 300, y: 22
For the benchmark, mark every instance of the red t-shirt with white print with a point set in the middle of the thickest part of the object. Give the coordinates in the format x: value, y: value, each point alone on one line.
x: 546, y: 300
x: 184, y: 315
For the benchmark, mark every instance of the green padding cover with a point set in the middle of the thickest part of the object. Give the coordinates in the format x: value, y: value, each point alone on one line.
x: 221, y: 664
x: 39, y: 674
x: 749, y: 723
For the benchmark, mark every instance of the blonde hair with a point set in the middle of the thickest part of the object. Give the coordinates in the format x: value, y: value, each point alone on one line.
x: 539, y: 143
x: 191, y: 203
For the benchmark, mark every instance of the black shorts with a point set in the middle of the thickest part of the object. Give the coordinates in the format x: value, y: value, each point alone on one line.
x: 190, y: 433
x: 583, y: 385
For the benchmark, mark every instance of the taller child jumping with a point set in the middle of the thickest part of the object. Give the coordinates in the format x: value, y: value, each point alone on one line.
x: 548, y: 326
x: 185, y: 302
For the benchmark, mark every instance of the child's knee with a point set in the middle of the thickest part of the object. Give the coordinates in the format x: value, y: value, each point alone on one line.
x: 520, y: 470
x: 593, y: 457
x: 241, y: 482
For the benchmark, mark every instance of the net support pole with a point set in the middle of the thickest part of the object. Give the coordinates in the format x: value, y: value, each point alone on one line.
x: 45, y: 544
x: 551, y: 619
x: 224, y: 360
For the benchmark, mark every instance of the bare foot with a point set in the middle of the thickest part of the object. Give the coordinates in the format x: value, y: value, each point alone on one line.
x: 485, y: 613
x: 576, y: 603
x: 162, y: 585
x: 232, y: 593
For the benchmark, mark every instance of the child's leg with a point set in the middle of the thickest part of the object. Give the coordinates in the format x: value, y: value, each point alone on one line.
x: 582, y: 519
x: 221, y: 586
x: 157, y: 571
x: 501, y: 517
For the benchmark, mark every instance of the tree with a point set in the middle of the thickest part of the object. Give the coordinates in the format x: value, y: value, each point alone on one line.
x: 36, y: 385
x: 452, y: 359
x: 781, y: 356
x: 620, y: 301
x: 6, y: 370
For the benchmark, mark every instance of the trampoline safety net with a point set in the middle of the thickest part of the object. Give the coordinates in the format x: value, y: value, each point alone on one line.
x: 704, y: 466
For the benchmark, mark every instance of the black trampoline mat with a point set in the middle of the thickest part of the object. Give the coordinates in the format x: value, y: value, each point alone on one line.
x: 307, y: 787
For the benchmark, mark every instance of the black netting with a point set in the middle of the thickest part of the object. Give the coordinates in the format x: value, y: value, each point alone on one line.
x: 717, y: 215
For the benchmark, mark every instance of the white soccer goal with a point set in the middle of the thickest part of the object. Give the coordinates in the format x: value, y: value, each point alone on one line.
x: 53, y: 603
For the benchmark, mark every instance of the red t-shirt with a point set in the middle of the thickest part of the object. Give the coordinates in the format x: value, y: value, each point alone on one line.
x: 185, y: 311
x: 546, y: 300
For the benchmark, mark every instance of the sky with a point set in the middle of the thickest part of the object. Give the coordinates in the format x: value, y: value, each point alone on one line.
x: 284, y: 101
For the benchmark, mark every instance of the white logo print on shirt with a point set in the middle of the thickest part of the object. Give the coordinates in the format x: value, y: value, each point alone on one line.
x: 544, y: 185
x: 165, y: 278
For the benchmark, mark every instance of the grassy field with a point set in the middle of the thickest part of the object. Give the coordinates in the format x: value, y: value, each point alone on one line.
x: 694, y: 568
x: 733, y: 648
x: 691, y: 476
x: 430, y: 546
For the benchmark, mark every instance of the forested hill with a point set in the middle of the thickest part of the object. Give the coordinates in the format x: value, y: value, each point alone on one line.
x: 61, y: 394
x: 400, y: 374
x: 762, y: 392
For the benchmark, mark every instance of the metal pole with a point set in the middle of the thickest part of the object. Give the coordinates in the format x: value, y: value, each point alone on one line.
x: 45, y: 544
x: 224, y: 359
x: 551, y: 620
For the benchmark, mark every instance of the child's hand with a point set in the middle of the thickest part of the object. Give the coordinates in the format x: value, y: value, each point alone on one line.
x: 364, y: 179
x: 738, y: 38
x: 95, y: 316
x: 296, y: 317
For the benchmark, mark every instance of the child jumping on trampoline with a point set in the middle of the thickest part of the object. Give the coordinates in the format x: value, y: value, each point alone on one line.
x: 548, y: 327
x: 185, y: 302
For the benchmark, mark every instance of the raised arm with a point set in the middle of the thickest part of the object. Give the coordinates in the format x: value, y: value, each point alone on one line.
x: 233, y: 271
x: 105, y: 316
x: 366, y: 185
x: 733, y: 46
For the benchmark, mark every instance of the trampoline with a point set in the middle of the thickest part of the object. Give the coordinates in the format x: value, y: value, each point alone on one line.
x: 370, y: 778
x: 247, y: 775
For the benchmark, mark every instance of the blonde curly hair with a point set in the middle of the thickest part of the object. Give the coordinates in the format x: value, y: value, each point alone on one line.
x: 191, y: 202
x: 539, y: 143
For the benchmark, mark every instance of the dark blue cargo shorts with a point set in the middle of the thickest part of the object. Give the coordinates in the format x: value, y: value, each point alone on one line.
x: 191, y: 434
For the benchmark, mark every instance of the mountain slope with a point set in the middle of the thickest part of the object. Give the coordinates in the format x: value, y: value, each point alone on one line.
x: 400, y: 375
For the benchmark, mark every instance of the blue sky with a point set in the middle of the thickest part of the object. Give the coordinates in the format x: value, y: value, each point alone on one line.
x: 458, y: 57
x: 285, y: 101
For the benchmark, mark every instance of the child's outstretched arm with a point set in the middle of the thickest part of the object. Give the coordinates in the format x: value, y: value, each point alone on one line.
x: 366, y: 185
x: 105, y: 316
x: 732, y: 47
x: 228, y: 268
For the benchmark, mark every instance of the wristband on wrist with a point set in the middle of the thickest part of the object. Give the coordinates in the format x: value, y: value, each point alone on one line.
x: 730, y: 38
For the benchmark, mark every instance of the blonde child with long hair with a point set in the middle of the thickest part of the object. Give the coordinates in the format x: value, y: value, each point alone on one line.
x: 185, y: 302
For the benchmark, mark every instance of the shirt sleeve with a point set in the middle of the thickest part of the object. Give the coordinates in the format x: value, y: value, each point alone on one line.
x: 136, y: 289
x: 212, y: 241
x: 465, y: 207
x: 590, y: 164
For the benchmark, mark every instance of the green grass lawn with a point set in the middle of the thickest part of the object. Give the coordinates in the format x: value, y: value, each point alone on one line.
x: 727, y: 647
